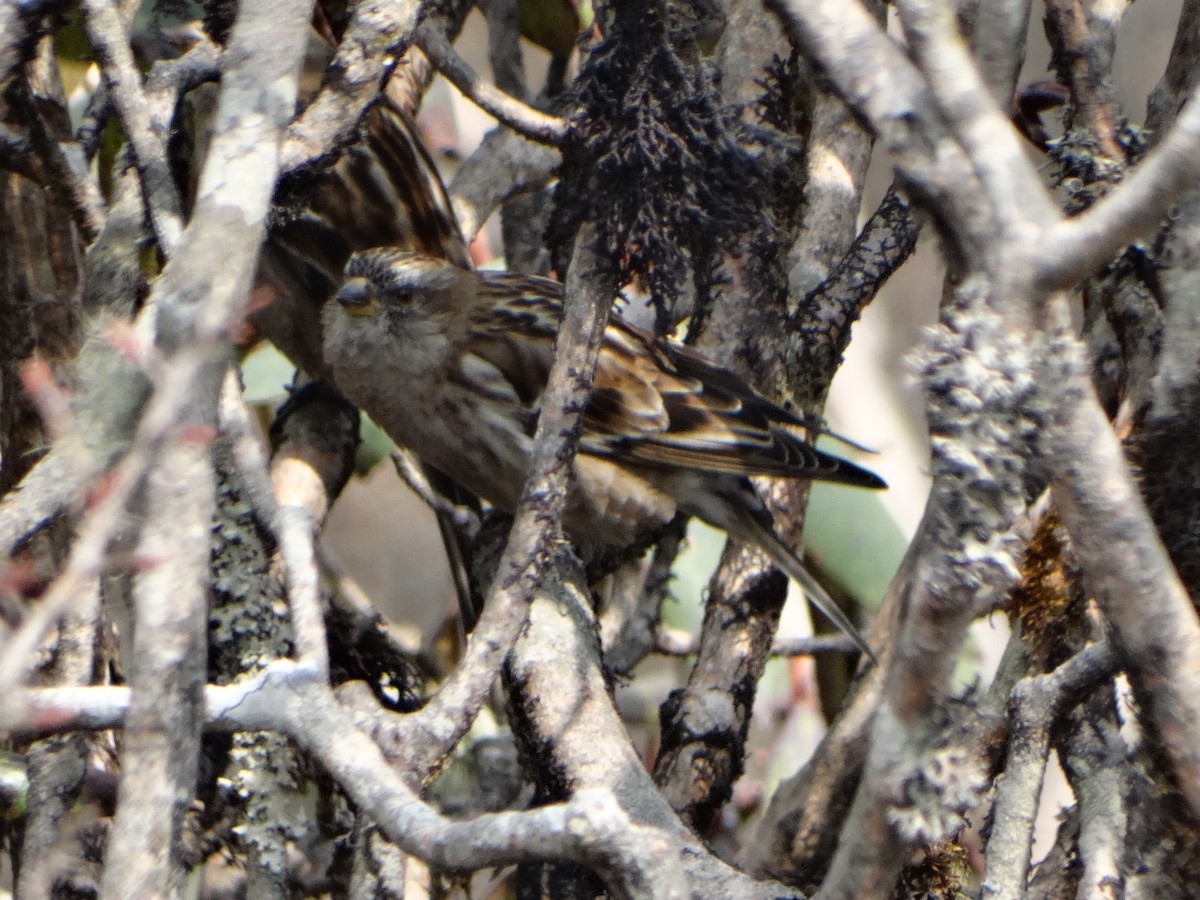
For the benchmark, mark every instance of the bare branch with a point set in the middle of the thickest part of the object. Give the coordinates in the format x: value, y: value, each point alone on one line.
x: 1036, y: 703
x: 822, y: 320
x: 55, y: 161
x: 89, y: 551
x: 1098, y: 766
x: 171, y: 79
x: 1013, y: 187
x: 1181, y: 77
x: 1124, y: 564
x: 676, y: 643
x: 568, y: 713
x: 445, y: 719
x: 57, y: 767
x: 193, y: 307
x: 704, y: 724
x: 52, y: 485
x: 1075, y: 248
x: 17, y: 23
x: 591, y: 828
x: 379, y: 30
x: 520, y: 117
x: 1083, y: 60
x: 982, y: 436
x: 838, y: 153
x: 629, y: 621
x: 160, y: 756
x: 414, y: 71
x: 998, y: 33
x: 852, y: 49
x: 296, y: 530
x: 504, y: 165
x: 17, y: 155
x: 110, y: 38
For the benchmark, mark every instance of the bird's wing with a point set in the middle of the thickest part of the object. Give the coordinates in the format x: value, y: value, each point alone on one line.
x: 653, y: 402
x: 691, y: 413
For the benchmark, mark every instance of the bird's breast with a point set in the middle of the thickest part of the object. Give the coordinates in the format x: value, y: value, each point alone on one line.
x: 614, y: 505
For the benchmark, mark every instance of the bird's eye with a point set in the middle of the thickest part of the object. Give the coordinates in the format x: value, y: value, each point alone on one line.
x: 401, y: 295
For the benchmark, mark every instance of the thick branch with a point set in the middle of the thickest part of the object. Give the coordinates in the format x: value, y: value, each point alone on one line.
x: 998, y: 35
x: 1075, y: 248
x: 1015, y: 191
x: 1125, y: 565
x: 980, y: 392
x: 504, y: 165
x: 442, y: 723
x: 160, y: 756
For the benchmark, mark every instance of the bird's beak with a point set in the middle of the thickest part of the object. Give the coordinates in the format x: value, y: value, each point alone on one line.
x: 358, y: 297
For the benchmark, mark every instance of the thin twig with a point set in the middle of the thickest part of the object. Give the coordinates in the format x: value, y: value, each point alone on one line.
x: 443, y: 721
x: 1075, y: 248
x: 520, y: 117
x: 672, y: 642
x: 376, y: 35
x: 823, y: 318
x: 1037, y: 702
x: 110, y: 38
x: 89, y: 551
x: 629, y: 623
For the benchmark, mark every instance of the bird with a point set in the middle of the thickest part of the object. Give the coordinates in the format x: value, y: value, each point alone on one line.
x: 383, y: 189
x: 452, y: 363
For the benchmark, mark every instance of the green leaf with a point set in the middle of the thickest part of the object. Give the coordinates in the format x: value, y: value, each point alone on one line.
x: 852, y: 541
x: 14, y: 785
x: 375, y: 446
x: 554, y: 24
x: 266, y: 373
x: 693, y: 568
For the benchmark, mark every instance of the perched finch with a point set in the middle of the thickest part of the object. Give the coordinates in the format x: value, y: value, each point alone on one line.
x: 380, y: 189
x: 383, y: 190
x: 465, y: 357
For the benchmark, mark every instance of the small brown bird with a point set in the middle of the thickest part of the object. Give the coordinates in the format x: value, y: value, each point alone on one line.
x: 466, y: 356
x: 384, y: 189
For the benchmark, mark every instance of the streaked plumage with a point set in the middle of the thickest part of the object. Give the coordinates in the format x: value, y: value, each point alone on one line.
x: 465, y: 357
x: 383, y: 190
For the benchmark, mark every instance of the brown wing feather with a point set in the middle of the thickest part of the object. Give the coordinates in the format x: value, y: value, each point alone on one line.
x: 654, y: 402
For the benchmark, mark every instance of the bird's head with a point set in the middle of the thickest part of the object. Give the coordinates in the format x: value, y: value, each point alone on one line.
x: 386, y: 278
x: 397, y: 303
x: 412, y: 295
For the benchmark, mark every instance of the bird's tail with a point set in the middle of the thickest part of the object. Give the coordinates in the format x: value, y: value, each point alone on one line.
x: 752, y: 529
